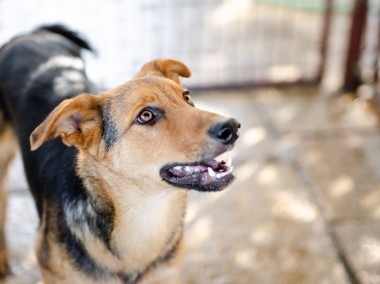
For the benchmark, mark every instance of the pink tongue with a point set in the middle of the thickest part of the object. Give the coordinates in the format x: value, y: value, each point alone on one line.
x: 213, y: 164
x: 186, y: 170
x: 182, y: 171
x: 178, y: 172
x: 199, y: 168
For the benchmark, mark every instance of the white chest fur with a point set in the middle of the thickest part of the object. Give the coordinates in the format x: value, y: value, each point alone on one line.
x: 143, y: 231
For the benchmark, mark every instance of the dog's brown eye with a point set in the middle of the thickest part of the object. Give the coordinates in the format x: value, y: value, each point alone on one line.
x: 145, y: 117
x: 149, y: 116
x: 187, y: 97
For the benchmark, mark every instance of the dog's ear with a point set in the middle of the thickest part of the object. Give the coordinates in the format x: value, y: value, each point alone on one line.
x: 168, y: 68
x: 77, y: 121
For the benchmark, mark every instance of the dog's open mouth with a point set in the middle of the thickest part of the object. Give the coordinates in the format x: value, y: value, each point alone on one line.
x: 204, y: 176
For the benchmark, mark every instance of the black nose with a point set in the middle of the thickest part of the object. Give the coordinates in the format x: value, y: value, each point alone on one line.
x: 225, y: 131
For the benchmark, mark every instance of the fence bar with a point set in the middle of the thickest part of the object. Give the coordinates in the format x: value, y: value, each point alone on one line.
x: 359, y: 18
x: 324, y: 39
x: 253, y: 84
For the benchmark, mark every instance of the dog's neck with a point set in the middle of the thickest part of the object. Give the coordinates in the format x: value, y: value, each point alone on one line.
x: 146, y: 224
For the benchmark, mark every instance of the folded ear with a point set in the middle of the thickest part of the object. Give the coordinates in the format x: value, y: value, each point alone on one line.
x: 168, y: 68
x: 77, y: 121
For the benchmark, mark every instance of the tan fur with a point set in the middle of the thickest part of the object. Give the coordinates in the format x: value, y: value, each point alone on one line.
x: 126, y: 175
x: 76, y: 121
x: 168, y: 68
x: 7, y: 150
x: 170, y: 273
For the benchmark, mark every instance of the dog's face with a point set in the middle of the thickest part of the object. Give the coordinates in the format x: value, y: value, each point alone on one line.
x: 147, y: 128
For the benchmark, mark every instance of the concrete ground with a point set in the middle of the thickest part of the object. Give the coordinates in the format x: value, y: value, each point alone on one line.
x: 305, y: 206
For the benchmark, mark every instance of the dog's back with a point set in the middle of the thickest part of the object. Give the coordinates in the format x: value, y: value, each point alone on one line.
x: 29, y: 62
x: 37, y: 71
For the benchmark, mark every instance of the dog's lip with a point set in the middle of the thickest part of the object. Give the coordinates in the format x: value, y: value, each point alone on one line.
x: 210, y: 175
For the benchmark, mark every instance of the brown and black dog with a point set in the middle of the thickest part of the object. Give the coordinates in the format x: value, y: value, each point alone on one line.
x: 111, y: 207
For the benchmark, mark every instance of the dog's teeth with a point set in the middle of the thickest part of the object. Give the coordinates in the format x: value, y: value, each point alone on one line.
x: 178, y: 168
x: 211, y: 172
x: 229, y: 162
x: 187, y: 169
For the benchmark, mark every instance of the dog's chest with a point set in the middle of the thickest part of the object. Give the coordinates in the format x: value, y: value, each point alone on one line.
x: 144, y: 232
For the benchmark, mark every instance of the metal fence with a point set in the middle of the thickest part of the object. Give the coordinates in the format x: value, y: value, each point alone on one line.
x: 226, y: 43
x: 363, y: 57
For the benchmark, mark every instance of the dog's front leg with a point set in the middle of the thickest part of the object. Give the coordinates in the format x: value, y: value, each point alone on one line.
x: 7, y: 150
x: 4, y: 266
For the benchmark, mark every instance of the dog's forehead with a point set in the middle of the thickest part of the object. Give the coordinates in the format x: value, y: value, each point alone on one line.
x: 146, y: 90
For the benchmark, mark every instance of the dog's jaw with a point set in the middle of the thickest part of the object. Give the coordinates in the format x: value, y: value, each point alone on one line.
x: 208, y: 175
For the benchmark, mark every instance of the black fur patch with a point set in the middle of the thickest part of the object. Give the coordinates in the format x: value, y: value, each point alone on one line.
x: 76, y: 197
x: 98, y: 219
x: 2, y: 123
x: 102, y: 225
x: 110, y: 132
x: 69, y: 34
x: 78, y: 254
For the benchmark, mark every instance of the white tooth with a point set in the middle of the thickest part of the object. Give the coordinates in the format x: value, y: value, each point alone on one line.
x: 211, y: 172
x: 188, y: 169
x: 229, y: 162
x: 230, y: 170
x: 178, y: 168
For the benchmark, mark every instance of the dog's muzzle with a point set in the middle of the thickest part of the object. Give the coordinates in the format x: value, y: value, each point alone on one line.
x: 209, y: 174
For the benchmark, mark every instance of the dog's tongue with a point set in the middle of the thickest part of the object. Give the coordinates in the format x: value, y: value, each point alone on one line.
x: 213, y: 164
x: 211, y: 167
x: 182, y: 171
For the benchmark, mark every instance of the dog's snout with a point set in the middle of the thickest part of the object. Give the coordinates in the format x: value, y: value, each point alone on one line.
x: 225, y: 131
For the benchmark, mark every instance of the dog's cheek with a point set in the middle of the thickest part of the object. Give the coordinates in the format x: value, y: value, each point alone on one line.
x: 126, y: 159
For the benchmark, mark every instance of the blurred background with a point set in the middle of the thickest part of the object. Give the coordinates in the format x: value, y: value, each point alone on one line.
x: 302, y: 76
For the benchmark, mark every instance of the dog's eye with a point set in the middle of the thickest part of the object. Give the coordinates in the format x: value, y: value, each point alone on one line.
x: 149, y: 116
x: 145, y: 117
x: 187, y: 97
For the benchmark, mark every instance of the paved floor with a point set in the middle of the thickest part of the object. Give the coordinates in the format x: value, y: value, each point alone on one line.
x: 305, y: 207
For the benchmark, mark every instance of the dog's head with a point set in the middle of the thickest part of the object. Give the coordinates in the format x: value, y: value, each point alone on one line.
x: 147, y: 128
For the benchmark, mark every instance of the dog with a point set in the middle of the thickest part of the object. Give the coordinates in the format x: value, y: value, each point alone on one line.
x: 111, y: 191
